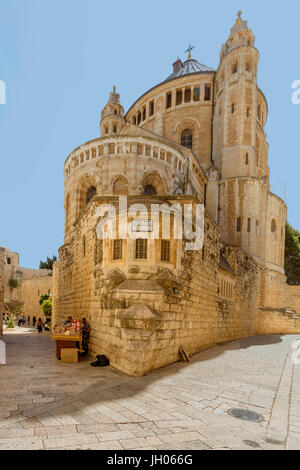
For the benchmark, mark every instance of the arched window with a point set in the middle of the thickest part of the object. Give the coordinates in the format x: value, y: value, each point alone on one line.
x: 150, y: 190
x: 91, y: 192
x: 120, y: 187
x: 273, y: 226
x: 238, y: 224
x: 187, y: 138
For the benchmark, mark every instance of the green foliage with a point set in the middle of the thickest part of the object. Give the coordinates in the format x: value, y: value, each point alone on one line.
x: 292, y: 255
x: 10, y: 323
x: 13, y: 307
x: 48, y: 264
x: 47, y: 307
x: 43, y: 297
x: 14, y: 283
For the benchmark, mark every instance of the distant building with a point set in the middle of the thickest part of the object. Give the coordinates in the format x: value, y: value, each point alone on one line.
x: 33, y: 283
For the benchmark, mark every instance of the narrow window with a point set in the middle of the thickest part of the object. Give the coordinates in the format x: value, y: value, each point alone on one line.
x: 187, y: 95
x: 139, y: 118
x: 238, y: 224
x: 151, y: 108
x: 232, y: 108
x: 178, y: 97
x: 115, y: 129
x: 257, y: 227
x: 8, y: 260
x: 248, y: 65
x: 247, y: 159
x: 207, y: 93
x: 196, y: 94
x: 235, y: 67
x: 91, y: 192
x: 169, y: 100
x: 141, y: 248
x: 248, y: 112
x: 117, y: 250
x: 134, y: 120
x: 144, y: 114
x: 249, y: 225
x: 187, y: 138
x: 273, y: 226
x: 165, y: 250
x: 83, y: 245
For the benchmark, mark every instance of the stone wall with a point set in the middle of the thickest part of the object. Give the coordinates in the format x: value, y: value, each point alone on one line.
x: 31, y: 291
x: 277, y: 322
x: 2, y: 260
x: 141, y: 313
x: 293, y: 298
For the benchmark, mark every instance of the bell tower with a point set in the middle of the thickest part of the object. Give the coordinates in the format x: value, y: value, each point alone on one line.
x: 234, y: 146
x: 240, y: 151
x: 112, y: 116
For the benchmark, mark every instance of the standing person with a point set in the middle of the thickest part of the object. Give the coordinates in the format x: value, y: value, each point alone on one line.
x: 33, y: 320
x: 28, y: 320
x: 40, y: 326
x: 86, y: 330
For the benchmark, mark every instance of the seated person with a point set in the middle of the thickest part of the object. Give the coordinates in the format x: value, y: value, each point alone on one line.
x: 68, y: 322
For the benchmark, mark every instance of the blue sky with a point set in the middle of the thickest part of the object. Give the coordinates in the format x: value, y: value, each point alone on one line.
x: 60, y: 59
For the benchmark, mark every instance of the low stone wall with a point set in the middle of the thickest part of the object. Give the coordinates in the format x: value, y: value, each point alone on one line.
x: 293, y: 298
x: 276, y: 322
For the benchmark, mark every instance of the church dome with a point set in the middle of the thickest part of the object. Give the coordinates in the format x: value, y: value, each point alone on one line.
x: 190, y: 66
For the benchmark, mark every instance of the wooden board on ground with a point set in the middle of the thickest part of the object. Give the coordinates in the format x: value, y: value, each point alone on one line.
x: 183, y: 354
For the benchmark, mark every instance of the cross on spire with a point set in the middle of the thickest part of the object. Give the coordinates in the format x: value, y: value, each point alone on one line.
x: 189, y: 50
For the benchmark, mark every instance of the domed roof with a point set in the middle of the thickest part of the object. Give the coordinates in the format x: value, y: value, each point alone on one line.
x: 188, y: 67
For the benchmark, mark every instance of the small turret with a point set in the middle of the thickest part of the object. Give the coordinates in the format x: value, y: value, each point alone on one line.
x: 240, y: 35
x: 112, y: 116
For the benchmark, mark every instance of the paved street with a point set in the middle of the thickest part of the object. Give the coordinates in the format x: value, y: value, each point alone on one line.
x: 45, y: 404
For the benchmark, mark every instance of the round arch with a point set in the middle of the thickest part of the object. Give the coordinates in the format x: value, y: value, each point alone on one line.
x: 153, y: 183
x: 120, y: 186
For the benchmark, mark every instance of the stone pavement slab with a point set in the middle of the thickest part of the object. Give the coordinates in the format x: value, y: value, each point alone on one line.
x: 45, y: 404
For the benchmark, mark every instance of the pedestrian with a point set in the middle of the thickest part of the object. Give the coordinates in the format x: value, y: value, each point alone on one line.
x: 33, y: 320
x: 86, y: 330
x: 40, y: 326
x: 28, y: 320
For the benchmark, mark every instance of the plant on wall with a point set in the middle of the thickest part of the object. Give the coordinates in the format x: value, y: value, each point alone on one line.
x: 14, y: 283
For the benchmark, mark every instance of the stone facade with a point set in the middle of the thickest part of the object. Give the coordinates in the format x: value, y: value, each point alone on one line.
x: 32, y: 282
x: 31, y: 292
x: 196, y: 138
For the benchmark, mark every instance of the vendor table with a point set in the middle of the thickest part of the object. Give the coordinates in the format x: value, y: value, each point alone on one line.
x: 65, y: 341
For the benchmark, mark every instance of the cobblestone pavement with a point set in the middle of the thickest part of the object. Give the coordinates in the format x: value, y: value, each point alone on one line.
x: 45, y: 404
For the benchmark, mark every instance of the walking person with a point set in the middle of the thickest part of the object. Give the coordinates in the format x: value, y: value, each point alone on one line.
x: 40, y: 325
x: 28, y: 320
x: 33, y: 320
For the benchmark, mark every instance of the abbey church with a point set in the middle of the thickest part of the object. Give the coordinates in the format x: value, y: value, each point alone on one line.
x: 198, y: 137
